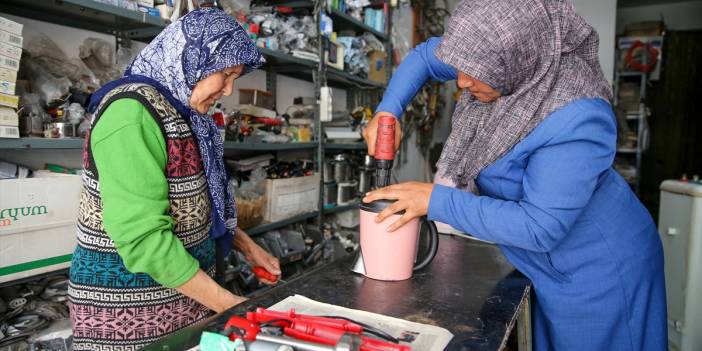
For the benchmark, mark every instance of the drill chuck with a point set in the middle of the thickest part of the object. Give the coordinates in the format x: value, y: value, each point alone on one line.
x: 382, y: 173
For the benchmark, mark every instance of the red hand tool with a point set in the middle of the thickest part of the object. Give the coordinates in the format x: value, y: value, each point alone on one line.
x: 262, y: 273
x: 315, y: 329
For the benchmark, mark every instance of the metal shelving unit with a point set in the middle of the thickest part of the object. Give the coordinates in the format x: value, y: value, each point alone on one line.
x: 345, y: 146
x: 88, y: 15
x: 128, y: 25
x: 342, y: 208
x: 41, y: 143
x: 264, y: 227
x: 343, y: 21
x: 77, y: 143
x: 637, y: 118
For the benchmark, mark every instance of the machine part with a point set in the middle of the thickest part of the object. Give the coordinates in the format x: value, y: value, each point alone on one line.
x: 264, y: 346
x: 347, y: 192
x: 328, y: 171
x: 330, y: 194
x: 17, y: 303
x: 365, y: 180
x: 341, y: 168
x: 296, y: 344
x: 347, y: 219
x: 384, y: 150
x: 368, y: 161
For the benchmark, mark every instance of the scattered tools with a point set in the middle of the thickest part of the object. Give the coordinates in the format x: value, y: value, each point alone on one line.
x: 310, y: 333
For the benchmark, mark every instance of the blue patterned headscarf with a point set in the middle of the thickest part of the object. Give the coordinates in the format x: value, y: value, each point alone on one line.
x: 203, y: 42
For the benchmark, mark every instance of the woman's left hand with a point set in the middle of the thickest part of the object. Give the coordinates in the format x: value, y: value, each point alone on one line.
x: 412, y: 197
x: 257, y: 256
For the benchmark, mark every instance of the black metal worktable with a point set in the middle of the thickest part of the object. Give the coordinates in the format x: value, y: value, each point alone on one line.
x: 469, y: 289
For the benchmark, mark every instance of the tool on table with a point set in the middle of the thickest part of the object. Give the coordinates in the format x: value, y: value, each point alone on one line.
x: 384, y: 255
x: 262, y: 273
x: 309, y: 333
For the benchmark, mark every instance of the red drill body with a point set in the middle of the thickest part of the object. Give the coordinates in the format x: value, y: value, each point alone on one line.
x: 384, y: 150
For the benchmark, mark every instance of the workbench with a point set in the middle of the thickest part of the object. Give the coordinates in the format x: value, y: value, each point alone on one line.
x: 469, y: 289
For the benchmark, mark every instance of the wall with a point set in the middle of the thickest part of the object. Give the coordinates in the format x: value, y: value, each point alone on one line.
x: 601, y: 15
x: 676, y: 16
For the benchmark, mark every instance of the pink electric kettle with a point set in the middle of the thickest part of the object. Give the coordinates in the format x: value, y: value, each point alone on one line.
x: 392, y: 255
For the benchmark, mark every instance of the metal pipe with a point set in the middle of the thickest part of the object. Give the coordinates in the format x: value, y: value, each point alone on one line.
x: 297, y: 344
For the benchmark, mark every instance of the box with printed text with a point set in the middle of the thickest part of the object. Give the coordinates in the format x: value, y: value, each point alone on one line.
x: 38, y: 219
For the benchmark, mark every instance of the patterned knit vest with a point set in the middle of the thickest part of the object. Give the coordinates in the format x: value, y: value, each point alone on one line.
x: 111, y: 307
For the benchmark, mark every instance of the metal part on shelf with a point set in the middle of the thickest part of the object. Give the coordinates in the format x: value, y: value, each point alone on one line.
x: 347, y: 192
x: 342, y: 168
x: 365, y: 180
x: 330, y: 194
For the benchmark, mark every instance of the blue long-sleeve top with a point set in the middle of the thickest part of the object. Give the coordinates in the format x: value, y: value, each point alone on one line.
x: 564, y: 218
x: 419, y: 66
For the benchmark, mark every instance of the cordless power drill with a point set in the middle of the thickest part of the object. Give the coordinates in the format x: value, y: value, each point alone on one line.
x: 384, y: 150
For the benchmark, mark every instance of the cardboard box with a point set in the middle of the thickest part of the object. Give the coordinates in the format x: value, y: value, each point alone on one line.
x: 7, y: 87
x: 10, y: 38
x: 290, y: 197
x: 378, y: 65
x: 9, y: 132
x: 38, y: 219
x: 8, y: 75
x: 9, y: 100
x: 9, y: 63
x: 10, y: 51
x: 257, y: 97
x: 8, y: 117
x: 145, y: 3
x: 11, y: 26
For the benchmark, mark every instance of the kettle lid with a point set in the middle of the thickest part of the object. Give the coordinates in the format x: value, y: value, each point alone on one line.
x: 378, y: 206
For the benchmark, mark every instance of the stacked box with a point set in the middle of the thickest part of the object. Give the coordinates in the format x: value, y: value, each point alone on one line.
x: 10, y: 55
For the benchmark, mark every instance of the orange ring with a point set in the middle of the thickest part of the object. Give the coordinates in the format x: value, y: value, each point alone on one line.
x: 637, y: 65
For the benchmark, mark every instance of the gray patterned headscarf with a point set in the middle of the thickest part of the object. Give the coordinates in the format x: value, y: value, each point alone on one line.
x: 539, y: 54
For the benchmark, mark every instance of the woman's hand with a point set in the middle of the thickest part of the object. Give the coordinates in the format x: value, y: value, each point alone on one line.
x: 370, y: 133
x: 204, y: 290
x: 256, y: 255
x: 412, y: 197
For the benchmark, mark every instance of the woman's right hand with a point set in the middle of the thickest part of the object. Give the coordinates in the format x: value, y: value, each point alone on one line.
x: 370, y: 133
x: 206, y: 291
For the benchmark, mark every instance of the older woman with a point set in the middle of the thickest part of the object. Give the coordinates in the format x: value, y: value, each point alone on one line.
x: 155, y: 206
x: 534, y: 133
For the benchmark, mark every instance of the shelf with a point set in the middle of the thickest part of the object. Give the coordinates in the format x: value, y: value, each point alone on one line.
x: 341, y: 79
x: 295, y: 4
x: 42, y: 143
x: 623, y: 150
x: 89, y: 15
x: 343, y: 21
x: 264, y: 227
x: 276, y: 59
x: 231, y: 145
x: 342, y: 208
x: 631, y: 74
x: 345, y: 146
x: 77, y: 143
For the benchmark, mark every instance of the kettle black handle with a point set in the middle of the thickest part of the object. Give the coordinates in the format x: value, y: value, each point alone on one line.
x: 433, y: 244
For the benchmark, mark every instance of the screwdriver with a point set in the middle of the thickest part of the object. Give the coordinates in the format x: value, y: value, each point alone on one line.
x: 262, y: 273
